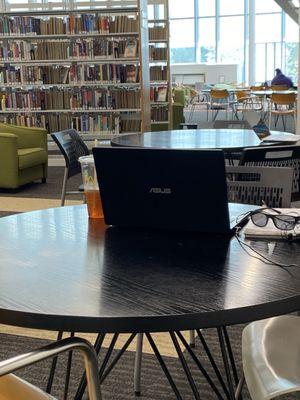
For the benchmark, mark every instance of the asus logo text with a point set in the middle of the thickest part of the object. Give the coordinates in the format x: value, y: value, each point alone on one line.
x: 160, y: 190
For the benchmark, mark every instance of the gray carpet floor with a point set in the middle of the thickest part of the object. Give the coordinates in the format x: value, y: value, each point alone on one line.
x: 119, y: 384
x: 49, y: 190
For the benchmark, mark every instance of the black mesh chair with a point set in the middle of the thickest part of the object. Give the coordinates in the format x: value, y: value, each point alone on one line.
x: 72, y: 147
x: 276, y: 156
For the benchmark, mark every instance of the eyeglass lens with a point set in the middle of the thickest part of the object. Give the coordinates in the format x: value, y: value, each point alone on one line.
x: 285, y: 222
x: 259, y: 219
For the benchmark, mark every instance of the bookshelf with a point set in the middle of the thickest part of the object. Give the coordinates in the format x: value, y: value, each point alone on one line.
x: 85, y: 68
x: 160, y: 75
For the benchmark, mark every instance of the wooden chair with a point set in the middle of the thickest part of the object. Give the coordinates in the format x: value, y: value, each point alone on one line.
x: 279, y: 88
x: 276, y: 156
x: 14, y: 388
x: 284, y: 105
x: 72, y: 147
x: 245, y: 101
x: 220, y: 100
x: 253, y: 185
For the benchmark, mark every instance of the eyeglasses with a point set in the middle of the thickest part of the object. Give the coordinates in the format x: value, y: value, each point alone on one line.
x: 281, y: 221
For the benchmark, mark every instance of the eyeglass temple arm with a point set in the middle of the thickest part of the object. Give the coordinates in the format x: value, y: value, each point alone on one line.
x: 53, y: 349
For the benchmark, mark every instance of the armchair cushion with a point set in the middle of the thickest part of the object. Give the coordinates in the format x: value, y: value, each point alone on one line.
x: 14, y: 388
x: 31, y: 157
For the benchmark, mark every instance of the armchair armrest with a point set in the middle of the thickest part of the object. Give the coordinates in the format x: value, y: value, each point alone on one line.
x: 53, y: 349
x: 27, y: 137
x: 8, y: 160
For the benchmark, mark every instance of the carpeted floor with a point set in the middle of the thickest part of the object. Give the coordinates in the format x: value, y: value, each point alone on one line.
x: 36, y: 195
x: 119, y: 384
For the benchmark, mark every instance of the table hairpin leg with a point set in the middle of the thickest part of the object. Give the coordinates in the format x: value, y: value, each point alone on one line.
x: 117, y: 357
x: 213, y: 363
x: 226, y: 363
x: 53, y: 366
x: 68, y: 371
x: 163, y: 366
x: 185, y: 366
x: 82, y: 385
x: 230, y: 354
x: 108, y: 354
x: 200, y: 366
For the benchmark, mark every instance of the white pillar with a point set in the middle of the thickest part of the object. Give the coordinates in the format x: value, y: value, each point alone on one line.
x: 298, y: 101
x: 251, y: 57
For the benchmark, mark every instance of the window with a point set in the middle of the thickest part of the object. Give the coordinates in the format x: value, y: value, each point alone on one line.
x: 206, y: 8
x: 182, y: 41
x: 266, y: 6
x: 231, y: 7
x: 207, y: 40
x: 181, y: 9
x: 232, y: 51
x: 268, y: 28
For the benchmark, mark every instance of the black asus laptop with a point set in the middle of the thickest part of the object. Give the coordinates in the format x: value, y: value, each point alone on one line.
x: 164, y: 188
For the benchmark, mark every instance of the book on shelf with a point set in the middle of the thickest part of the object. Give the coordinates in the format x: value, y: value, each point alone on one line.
x: 159, y: 114
x: 158, y: 94
x: 157, y: 33
x: 130, y: 48
x: 74, y: 99
x: 157, y: 53
x: 82, y: 23
x: 158, y: 73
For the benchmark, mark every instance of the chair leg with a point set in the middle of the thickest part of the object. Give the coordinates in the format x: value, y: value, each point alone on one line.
x: 240, y: 387
x: 64, y: 187
x: 44, y: 180
x: 283, y: 122
x: 138, y: 365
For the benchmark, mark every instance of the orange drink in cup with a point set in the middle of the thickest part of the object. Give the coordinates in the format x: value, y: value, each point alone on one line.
x: 91, y: 188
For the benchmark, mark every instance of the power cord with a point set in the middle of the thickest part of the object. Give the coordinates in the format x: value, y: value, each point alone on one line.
x: 261, y: 257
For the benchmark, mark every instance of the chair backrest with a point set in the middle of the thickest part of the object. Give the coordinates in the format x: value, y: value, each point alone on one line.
x: 253, y: 185
x: 219, y: 94
x: 275, y: 156
x: 72, y: 147
x: 232, y: 124
x: 257, y: 88
x: 242, y: 94
x: 284, y: 99
x: 279, y: 87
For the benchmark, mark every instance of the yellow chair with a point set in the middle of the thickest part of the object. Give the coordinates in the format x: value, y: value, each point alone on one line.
x: 245, y: 101
x: 284, y: 105
x: 279, y: 88
x: 220, y: 100
x: 14, y: 388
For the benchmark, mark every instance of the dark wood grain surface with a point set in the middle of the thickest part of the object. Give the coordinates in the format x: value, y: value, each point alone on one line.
x: 226, y: 139
x: 61, y: 271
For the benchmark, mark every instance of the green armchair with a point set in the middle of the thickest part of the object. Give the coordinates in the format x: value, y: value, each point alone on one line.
x: 23, y: 155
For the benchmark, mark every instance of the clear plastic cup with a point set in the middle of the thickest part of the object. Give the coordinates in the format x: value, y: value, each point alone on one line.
x: 91, y: 188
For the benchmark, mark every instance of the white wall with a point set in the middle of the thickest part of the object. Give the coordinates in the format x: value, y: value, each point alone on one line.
x: 214, y: 73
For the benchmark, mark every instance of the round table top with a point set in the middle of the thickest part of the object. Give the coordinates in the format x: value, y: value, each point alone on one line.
x: 268, y: 92
x: 226, y: 139
x: 61, y: 271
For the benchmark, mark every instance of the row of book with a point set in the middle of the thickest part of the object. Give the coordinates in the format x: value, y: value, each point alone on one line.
x: 76, y: 99
x: 75, y: 74
x: 61, y: 50
x: 130, y: 125
x: 69, y: 24
x: 158, y: 53
x: 159, y: 114
x: 157, y: 33
x: 84, y: 124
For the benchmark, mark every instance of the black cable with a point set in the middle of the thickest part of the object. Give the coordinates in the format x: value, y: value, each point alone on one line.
x: 261, y: 257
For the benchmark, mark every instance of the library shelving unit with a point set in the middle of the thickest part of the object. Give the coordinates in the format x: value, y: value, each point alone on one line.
x: 160, y: 75
x: 84, y: 68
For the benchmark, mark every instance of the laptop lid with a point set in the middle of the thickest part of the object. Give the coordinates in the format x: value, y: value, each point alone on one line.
x: 163, y: 188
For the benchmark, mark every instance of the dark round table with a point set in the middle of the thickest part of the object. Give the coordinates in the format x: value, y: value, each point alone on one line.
x: 226, y: 139
x: 61, y: 271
